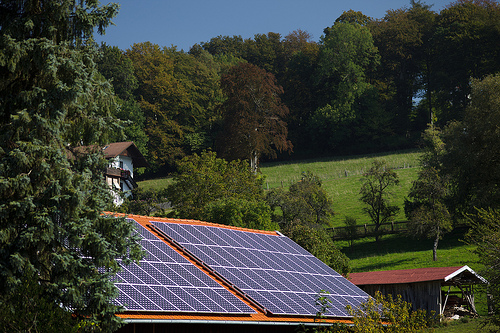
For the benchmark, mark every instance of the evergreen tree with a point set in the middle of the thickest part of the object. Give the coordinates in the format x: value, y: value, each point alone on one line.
x: 52, y: 196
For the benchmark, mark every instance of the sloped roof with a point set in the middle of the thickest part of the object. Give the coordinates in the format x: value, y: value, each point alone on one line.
x: 460, y: 274
x: 127, y: 148
x: 204, y: 272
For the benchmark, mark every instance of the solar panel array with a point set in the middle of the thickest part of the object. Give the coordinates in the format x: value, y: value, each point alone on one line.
x: 273, y: 270
x: 166, y: 281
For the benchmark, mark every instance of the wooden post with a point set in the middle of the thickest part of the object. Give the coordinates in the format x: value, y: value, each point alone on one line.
x: 445, y: 301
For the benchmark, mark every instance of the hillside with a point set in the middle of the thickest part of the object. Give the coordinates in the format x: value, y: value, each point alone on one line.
x: 342, y: 177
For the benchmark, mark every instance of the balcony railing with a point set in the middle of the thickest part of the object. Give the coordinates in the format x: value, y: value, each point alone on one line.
x: 116, y: 172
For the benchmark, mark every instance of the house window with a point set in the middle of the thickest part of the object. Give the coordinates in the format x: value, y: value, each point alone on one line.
x: 121, y: 164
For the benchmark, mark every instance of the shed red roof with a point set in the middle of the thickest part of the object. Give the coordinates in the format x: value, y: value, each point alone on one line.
x: 413, y: 275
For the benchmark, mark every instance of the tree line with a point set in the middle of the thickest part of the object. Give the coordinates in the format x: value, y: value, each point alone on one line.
x: 368, y: 85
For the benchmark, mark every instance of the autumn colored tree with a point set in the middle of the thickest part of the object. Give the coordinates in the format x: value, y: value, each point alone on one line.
x: 160, y: 97
x: 253, y: 115
x: 179, y: 94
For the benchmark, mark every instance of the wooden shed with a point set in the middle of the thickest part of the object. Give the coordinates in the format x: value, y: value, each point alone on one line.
x: 425, y: 288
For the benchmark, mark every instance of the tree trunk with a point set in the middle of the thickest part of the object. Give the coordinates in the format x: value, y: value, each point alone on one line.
x: 254, y: 162
x: 435, y: 247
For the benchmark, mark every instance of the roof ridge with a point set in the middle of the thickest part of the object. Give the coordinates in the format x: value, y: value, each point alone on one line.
x: 192, y: 221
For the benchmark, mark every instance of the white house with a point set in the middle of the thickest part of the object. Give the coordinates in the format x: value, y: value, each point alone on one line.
x: 122, y: 157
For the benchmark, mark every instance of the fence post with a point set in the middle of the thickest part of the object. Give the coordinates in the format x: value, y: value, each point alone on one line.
x: 392, y: 226
x: 366, y: 230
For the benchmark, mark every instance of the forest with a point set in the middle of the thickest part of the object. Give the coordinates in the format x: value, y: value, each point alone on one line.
x: 369, y: 85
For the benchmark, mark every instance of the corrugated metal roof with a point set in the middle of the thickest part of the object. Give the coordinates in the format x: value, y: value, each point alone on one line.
x: 442, y: 274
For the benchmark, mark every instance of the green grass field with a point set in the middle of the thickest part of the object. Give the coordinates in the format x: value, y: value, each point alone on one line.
x: 342, y: 178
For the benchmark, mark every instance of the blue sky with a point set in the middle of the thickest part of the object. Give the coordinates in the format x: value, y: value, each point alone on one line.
x: 183, y: 23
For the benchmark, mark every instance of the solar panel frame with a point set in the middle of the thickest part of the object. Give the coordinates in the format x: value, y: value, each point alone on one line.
x: 268, y: 268
x: 165, y: 281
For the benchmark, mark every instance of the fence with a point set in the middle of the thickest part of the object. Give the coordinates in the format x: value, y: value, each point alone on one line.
x: 367, y: 230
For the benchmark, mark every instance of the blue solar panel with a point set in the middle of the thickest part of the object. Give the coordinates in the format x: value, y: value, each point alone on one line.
x: 273, y: 270
x: 166, y: 281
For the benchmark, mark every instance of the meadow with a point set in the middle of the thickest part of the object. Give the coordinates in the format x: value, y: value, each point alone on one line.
x: 342, y: 178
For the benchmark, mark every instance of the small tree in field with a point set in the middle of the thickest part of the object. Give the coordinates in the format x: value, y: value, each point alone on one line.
x: 375, y: 193
x: 426, y: 211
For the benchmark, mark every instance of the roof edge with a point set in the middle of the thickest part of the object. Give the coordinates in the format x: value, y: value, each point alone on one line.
x: 189, y: 221
x: 463, y: 269
x: 230, y: 322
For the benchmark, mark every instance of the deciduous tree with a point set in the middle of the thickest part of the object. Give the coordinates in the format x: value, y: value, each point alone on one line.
x: 484, y: 234
x: 204, y: 179
x: 375, y: 193
x: 319, y: 244
x: 467, y: 41
x: 240, y: 212
x: 425, y: 207
x: 347, y: 54
x: 305, y: 202
x: 472, y: 150
x: 253, y: 115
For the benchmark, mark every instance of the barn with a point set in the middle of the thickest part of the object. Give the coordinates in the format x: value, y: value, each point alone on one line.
x: 430, y: 289
x: 204, y: 277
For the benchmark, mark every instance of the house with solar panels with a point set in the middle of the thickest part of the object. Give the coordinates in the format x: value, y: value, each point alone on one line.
x: 199, y: 276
